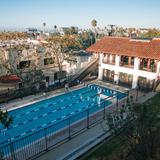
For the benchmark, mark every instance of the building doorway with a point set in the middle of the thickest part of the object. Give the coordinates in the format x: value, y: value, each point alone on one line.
x: 125, y: 79
x: 108, y: 75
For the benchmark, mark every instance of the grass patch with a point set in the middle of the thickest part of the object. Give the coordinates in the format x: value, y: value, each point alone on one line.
x: 153, y: 101
x: 107, y: 149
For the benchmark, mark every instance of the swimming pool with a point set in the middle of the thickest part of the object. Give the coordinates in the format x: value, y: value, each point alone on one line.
x: 45, y: 113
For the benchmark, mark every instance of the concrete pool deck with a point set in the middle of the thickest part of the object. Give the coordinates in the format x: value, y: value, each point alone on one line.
x: 78, y: 144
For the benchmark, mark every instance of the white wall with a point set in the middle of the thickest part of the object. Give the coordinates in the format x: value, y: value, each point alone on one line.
x: 148, y: 75
x: 133, y: 71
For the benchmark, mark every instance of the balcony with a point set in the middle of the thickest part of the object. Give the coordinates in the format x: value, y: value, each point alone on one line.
x: 127, y: 62
x: 109, y: 60
x: 148, y: 69
x: 106, y: 61
x: 148, y: 65
x: 126, y: 65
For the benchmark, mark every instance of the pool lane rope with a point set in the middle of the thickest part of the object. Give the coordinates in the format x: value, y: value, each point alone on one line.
x: 51, y: 112
x: 50, y: 105
x: 46, y: 114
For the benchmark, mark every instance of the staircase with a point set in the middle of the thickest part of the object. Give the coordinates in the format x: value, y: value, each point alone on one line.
x: 90, y: 68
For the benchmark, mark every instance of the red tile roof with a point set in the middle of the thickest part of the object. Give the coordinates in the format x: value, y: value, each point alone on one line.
x: 128, y: 47
x: 10, y: 78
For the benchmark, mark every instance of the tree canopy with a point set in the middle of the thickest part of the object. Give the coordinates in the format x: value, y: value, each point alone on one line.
x: 5, y: 119
x: 12, y: 35
x: 152, y: 33
x: 94, y: 23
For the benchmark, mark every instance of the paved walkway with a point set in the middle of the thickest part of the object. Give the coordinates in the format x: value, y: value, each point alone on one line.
x: 4, y: 87
x: 145, y: 96
x: 78, y: 144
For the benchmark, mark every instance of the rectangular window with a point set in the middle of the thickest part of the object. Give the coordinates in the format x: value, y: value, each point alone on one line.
x: 152, y: 65
x: 144, y: 62
x: 124, y: 60
x: 24, y: 64
x: 48, y: 61
x: 113, y: 58
x: 132, y: 61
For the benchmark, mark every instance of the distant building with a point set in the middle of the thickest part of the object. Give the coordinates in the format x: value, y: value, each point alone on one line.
x: 35, y: 55
x: 33, y: 33
x: 32, y: 30
x: 143, y: 30
x: 43, y: 59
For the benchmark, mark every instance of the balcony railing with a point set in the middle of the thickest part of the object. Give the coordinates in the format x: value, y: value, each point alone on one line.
x: 126, y: 65
x: 148, y: 69
x: 105, y: 61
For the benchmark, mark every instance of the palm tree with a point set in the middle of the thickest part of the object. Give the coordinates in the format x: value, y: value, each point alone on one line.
x: 44, y: 25
x: 94, y: 23
x: 55, y: 27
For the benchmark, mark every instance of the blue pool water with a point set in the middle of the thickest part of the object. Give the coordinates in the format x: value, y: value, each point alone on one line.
x: 37, y: 116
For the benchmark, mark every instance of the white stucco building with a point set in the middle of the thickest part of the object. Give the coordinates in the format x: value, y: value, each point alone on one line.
x: 134, y: 62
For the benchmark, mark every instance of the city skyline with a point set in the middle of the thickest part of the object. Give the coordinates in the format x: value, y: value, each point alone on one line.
x: 23, y: 14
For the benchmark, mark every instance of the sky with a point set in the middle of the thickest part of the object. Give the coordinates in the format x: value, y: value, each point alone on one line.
x: 63, y: 13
